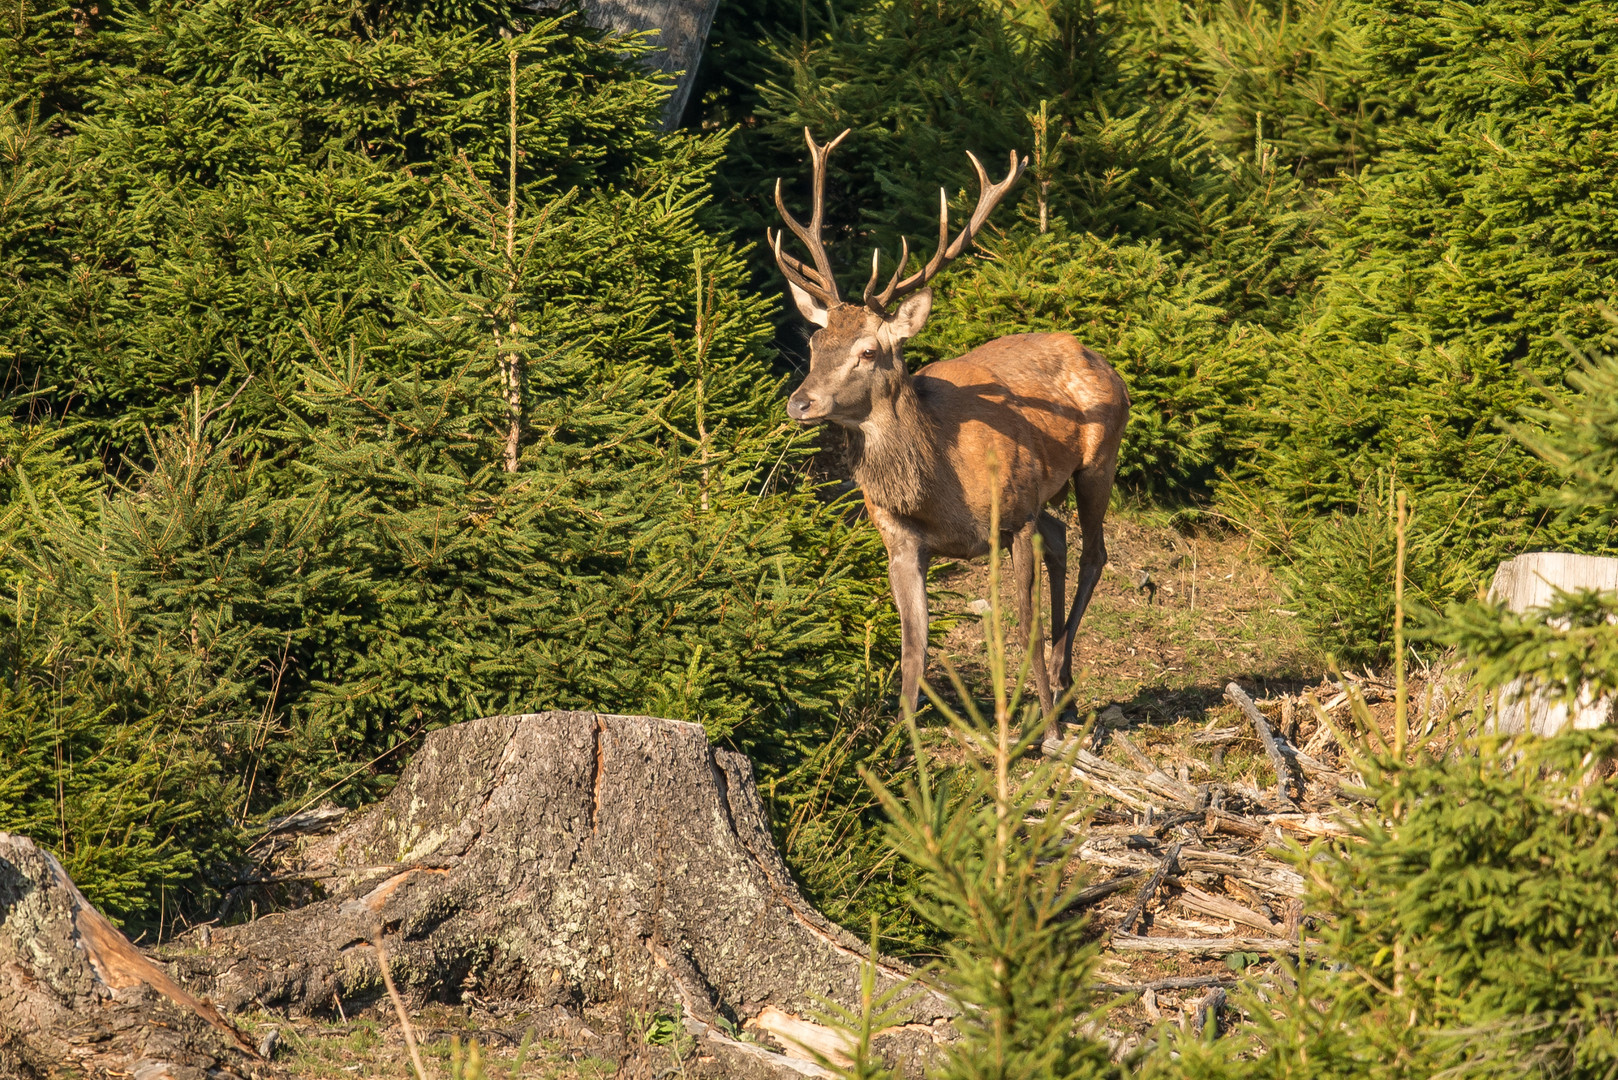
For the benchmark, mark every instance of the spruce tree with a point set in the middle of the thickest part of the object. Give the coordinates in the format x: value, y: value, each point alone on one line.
x: 1458, y: 261
x: 386, y: 378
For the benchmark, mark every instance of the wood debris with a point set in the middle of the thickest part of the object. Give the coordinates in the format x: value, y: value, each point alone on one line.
x: 1215, y: 859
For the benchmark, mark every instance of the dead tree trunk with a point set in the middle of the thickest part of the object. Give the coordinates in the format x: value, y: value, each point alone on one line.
x: 77, y: 999
x: 561, y: 858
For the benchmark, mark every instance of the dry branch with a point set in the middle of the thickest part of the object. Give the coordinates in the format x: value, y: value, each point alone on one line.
x: 1092, y: 893
x: 1311, y: 825
x: 1236, y: 824
x: 1262, y: 727
x: 1264, y: 875
x: 1140, y: 791
x: 1206, y: 903
x: 1202, y: 946
x: 1180, y: 982
x: 1138, y: 908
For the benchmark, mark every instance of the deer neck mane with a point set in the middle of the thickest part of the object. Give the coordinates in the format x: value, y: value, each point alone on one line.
x: 893, y: 452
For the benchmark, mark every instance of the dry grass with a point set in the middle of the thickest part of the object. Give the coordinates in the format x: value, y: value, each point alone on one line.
x: 1209, y: 611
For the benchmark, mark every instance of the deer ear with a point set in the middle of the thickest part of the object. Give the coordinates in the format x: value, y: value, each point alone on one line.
x: 808, y: 306
x: 912, y: 314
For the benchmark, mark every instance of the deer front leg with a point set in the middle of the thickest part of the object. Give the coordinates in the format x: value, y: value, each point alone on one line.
x: 907, y: 576
x: 1025, y: 573
x: 1053, y: 531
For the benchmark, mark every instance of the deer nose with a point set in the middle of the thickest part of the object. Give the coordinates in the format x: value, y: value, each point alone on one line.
x: 802, y: 406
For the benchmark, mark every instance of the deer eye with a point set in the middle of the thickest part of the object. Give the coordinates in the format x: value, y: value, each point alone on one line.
x: 868, y: 354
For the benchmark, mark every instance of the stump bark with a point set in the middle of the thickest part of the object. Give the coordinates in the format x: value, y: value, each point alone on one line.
x: 561, y: 858
x: 77, y: 999
x: 1531, y: 581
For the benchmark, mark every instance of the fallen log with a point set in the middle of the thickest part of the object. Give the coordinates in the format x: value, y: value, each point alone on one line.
x: 76, y: 998
x: 559, y: 858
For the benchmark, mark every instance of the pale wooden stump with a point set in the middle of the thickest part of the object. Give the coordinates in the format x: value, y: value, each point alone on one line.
x: 1530, y: 581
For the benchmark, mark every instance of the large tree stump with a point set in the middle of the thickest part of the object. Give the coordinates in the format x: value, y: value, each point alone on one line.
x: 563, y: 858
x: 1530, y: 581
x: 77, y: 999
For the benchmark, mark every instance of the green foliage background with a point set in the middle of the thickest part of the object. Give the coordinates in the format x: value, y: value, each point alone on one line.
x: 255, y: 299
x: 256, y: 534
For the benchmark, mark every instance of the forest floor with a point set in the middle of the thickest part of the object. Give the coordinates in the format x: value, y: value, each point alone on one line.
x: 1178, y: 615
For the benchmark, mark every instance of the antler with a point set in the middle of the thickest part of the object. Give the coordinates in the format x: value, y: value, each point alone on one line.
x: 818, y: 282
x: 989, y: 197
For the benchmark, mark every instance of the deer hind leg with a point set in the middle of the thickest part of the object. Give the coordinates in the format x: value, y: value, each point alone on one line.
x: 1092, y: 492
x: 1025, y: 572
x: 1053, y: 534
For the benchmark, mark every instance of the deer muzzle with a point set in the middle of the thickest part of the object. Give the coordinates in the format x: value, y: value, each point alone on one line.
x: 806, y: 408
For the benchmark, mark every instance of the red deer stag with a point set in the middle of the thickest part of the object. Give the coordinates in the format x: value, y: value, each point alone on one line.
x: 1034, y: 414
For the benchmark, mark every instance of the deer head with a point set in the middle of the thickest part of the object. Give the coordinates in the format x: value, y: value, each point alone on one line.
x: 856, y: 358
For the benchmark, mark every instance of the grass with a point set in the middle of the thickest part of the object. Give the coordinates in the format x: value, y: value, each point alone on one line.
x: 1177, y: 614
x: 457, y: 1043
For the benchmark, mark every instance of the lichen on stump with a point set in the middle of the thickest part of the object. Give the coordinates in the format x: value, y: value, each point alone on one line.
x: 560, y: 858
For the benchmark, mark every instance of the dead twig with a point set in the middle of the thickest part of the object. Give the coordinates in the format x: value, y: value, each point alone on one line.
x: 1277, y: 761
x: 398, y: 1002
x: 1144, y: 897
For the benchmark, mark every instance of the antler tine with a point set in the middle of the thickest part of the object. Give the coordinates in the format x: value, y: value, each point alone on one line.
x: 879, y: 301
x: 988, y: 198
x: 796, y: 272
x: 820, y: 282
